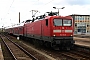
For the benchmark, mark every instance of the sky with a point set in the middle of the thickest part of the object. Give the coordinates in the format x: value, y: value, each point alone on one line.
x: 9, y: 9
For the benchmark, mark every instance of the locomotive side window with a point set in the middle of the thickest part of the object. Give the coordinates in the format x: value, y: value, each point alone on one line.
x: 57, y: 22
x: 46, y: 22
x: 67, y: 22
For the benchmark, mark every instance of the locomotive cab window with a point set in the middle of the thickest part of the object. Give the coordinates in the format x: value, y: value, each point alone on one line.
x: 62, y: 22
x: 46, y: 22
x: 67, y: 22
x: 57, y: 22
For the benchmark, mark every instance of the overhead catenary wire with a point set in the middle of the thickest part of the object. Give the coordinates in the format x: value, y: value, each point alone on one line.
x: 13, y: 2
x: 9, y: 9
x: 49, y: 2
x: 42, y: 6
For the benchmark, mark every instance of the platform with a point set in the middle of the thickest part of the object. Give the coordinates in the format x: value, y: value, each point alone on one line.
x: 82, y: 41
x: 1, y: 55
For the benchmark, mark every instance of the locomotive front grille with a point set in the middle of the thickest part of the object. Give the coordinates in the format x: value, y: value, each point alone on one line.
x: 63, y: 40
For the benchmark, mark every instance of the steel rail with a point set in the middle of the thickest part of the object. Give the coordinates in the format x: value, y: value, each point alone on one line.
x: 9, y: 49
x: 69, y: 56
x: 25, y: 51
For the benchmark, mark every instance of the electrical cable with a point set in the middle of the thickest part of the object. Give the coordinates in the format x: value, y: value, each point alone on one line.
x: 9, y: 8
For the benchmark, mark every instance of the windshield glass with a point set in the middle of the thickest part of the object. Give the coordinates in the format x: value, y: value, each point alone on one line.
x: 67, y: 22
x: 57, y: 22
x: 62, y: 22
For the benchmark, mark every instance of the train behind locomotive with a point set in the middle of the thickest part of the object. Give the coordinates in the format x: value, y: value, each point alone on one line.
x: 54, y: 31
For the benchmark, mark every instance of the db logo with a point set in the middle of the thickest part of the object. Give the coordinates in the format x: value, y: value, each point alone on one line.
x: 62, y: 27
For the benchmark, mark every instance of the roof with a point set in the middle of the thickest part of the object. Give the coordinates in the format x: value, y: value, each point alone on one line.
x: 78, y: 15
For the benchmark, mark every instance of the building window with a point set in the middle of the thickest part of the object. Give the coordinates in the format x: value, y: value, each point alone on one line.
x: 88, y: 17
x: 78, y: 18
x: 75, y: 18
x: 85, y: 18
x: 88, y: 31
x: 75, y: 24
x: 87, y: 25
x: 81, y: 18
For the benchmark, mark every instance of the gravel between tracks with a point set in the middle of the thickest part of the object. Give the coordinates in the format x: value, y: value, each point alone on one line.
x: 47, y: 56
x: 50, y: 57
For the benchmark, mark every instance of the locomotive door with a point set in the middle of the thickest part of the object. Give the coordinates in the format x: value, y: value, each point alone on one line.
x: 45, y: 28
x: 25, y: 30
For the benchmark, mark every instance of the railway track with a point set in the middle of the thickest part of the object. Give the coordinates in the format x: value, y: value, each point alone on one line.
x: 75, y: 54
x: 84, y: 39
x: 82, y: 36
x: 39, y: 55
x: 78, y: 53
x: 17, y: 51
x: 83, y: 49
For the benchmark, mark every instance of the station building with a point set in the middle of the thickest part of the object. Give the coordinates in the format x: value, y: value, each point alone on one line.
x: 82, y: 23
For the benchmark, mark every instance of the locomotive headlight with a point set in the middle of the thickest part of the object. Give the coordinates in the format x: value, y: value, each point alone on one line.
x: 54, y: 35
x: 71, y: 35
x: 68, y: 31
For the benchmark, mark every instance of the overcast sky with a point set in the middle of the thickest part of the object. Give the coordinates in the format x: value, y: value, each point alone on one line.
x: 9, y: 9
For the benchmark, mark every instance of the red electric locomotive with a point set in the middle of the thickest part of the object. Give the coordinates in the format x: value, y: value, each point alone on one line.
x: 54, y: 31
